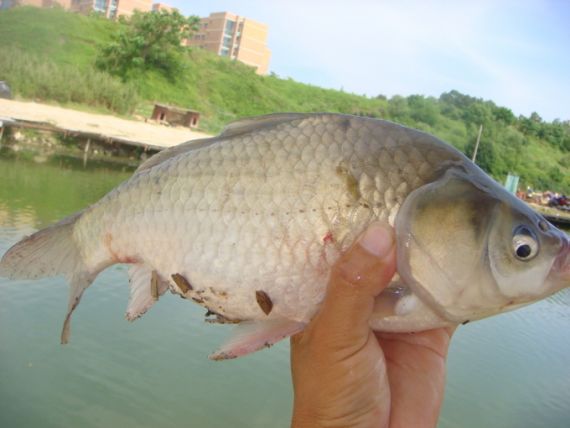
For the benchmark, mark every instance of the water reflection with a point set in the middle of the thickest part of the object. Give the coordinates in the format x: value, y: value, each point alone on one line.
x: 52, y: 191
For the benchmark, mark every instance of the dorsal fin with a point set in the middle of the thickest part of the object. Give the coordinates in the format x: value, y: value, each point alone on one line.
x: 175, y: 151
x: 248, y: 124
x: 238, y: 127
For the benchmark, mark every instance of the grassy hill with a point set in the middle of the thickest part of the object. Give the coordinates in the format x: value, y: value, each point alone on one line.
x: 48, y: 54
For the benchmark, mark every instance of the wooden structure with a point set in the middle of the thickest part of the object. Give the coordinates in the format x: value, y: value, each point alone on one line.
x: 553, y: 215
x: 175, y: 115
x: 97, y: 127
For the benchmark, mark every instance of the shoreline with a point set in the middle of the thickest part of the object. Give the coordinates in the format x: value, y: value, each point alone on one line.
x: 553, y: 215
x: 38, y: 132
x: 148, y: 134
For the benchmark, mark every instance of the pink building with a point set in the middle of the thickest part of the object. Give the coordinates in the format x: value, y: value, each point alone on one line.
x: 5, y: 4
x: 161, y: 6
x: 110, y: 8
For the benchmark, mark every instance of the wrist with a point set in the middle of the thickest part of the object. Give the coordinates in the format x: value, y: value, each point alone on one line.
x: 303, y: 417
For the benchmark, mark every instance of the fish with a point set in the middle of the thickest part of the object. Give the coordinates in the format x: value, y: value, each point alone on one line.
x: 249, y: 223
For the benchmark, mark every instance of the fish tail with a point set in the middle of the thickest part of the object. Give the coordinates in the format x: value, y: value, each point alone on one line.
x: 48, y: 252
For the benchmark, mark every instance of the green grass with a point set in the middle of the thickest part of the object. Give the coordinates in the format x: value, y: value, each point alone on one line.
x: 64, y: 38
x: 224, y: 90
x: 41, y: 79
x: 49, y: 54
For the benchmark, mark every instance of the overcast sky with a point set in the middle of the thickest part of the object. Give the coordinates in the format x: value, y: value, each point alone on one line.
x: 516, y: 53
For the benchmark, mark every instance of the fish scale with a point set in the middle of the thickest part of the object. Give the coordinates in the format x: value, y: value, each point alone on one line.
x: 299, y: 213
x: 250, y: 223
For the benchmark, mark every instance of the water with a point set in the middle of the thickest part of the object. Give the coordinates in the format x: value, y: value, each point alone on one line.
x: 507, y: 371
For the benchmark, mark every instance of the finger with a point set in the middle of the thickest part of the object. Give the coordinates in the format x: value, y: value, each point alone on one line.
x: 416, y: 367
x: 436, y: 340
x: 356, y: 279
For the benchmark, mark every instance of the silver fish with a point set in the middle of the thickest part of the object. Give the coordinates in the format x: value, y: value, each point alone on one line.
x: 249, y: 223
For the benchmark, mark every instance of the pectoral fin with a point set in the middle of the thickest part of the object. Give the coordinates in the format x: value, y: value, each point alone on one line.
x: 251, y: 336
x: 146, y: 287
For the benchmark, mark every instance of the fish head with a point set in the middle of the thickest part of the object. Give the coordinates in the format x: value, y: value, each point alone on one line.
x: 527, y: 256
x: 469, y: 249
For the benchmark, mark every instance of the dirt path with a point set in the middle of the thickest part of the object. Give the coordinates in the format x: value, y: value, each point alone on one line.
x: 109, y: 126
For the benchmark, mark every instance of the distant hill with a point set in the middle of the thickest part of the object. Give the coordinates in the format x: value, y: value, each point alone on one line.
x: 49, y: 54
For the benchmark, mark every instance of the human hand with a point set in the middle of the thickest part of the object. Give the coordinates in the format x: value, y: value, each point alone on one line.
x: 347, y: 375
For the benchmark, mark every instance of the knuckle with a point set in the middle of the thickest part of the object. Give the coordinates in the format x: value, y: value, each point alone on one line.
x: 345, y: 272
x: 356, y: 271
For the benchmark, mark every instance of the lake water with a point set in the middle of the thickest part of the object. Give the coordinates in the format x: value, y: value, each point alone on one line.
x: 512, y: 370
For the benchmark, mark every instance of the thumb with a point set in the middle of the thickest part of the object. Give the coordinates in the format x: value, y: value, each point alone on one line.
x: 356, y: 279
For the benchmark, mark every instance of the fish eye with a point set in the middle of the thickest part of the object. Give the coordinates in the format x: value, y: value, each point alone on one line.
x: 525, y: 245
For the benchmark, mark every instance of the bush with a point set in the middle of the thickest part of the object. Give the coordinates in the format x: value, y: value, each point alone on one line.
x: 148, y: 41
x: 32, y: 77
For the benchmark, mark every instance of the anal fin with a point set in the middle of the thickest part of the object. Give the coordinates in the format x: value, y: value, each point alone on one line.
x: 251, y: 336
x: 78, y: 283
x: 146, y: 286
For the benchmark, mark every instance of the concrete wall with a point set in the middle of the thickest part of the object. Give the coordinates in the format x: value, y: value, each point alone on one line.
x: 127, y: 7
x: 253, y: 48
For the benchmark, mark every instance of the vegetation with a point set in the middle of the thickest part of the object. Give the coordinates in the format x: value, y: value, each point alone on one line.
x: 33, y: 77
x: 224, y: 90
x: 148, y: 41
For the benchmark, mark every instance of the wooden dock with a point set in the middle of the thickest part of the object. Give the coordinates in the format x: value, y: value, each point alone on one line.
x: 97, y: 127
x: 553, y: 215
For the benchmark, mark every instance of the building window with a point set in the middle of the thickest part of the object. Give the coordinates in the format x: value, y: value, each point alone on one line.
x: 6, y: 4
x: 230, y: 25
x: 113, y: 9
x: 224, y: 51
x: 100, y: 6
x: 227, y: 42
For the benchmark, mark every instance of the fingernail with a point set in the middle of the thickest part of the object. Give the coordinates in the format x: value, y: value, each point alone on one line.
x: 377, y: 240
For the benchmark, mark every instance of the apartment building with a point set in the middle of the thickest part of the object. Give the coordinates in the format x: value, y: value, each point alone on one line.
x: 111, y: 8
x: 236, y: 37
x: 6, y: 4
x: 157, y: 7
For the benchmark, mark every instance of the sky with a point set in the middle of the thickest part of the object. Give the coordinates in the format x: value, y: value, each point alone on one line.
x: 515, y: 53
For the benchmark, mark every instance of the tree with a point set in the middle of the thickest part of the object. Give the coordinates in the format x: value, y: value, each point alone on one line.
x: 486, y: 156
x: 148, y: 40
x: 398, y: 108
x: 478, y: 114
x: 457, y: 99
x: 423, y: 109
x: 504, y: 114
